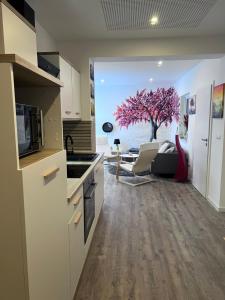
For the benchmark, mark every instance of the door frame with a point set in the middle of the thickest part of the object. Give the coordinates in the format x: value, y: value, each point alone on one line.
x: 209, y: 141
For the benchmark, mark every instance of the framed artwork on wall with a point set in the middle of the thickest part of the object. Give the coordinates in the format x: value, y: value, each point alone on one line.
x: 92, y: 108
x: 92, y: 73
x: 218, y: 101
x: 192, y: 105
x: 92, y: 90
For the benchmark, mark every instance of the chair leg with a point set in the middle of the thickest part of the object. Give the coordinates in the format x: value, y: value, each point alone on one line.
x: 118, y: 168
x: 130, y: 183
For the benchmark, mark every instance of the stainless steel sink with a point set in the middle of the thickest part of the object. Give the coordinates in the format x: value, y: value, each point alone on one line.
x: 76, y: 170
x: 81, y: 156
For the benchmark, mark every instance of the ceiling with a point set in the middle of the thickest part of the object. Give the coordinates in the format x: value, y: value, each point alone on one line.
x: 70, y: 20
x: 139, y: 72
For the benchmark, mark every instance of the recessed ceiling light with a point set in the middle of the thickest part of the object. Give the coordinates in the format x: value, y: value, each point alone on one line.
x: 160, y: 63
x: 151, y: 79
x: 154, y: 20
x: 102, y: 81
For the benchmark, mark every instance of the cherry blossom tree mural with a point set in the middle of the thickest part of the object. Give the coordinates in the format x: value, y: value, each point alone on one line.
x: 154, y: 107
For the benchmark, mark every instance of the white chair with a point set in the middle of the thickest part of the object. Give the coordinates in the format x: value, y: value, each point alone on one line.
x: 147, y: 154
x: 102, y: 145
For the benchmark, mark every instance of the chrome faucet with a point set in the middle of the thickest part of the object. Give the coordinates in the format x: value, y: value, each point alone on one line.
x: 67, y: 138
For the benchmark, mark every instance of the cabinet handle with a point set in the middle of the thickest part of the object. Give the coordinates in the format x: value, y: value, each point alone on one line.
x: 77, y: 113
x: 77, y: 201
x: 77, y: 217
x: 50, y: 172
x: 68, y: 112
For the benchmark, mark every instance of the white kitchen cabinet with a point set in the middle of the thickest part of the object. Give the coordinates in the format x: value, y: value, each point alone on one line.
x: 33, y: 207
x: 70, y: 93
x: 16, y: 34
x: 66, y: 90
x: 76, y: 241
x: 44, y: 185
x: 76, y: 94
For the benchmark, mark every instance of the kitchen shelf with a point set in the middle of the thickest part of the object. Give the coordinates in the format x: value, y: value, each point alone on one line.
x: 33, y: 158
x: 6, y: 3
x: 26, y: 74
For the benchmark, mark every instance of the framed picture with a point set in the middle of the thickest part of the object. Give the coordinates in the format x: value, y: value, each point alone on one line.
x: 92, y: 90
x: 92, y: 108
x: 92, y: 73
x: 218, y: 101
x: 192, y: 105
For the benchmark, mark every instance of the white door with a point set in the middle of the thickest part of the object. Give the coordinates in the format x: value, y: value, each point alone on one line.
x: 201, y: 140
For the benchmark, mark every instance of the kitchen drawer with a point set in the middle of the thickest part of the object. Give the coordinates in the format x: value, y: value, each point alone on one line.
x: 76, y: 197
x: 75, y: 201
x: 76, y: 247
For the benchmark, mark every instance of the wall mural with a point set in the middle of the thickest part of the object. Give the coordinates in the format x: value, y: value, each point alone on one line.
x: 154, y: 107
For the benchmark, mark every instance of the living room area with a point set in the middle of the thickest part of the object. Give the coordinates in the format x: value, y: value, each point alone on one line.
x: 162, y: 238
x: 156, y: 99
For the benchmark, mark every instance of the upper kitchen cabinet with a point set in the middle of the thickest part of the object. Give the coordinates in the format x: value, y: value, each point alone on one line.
x: 70, y: 93
x: 17, y: 35
x: 76, y: 94
x: 67, y: 90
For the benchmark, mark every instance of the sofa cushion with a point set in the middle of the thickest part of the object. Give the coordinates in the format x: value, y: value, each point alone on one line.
x: 170, y: 150
x: 164, y: 147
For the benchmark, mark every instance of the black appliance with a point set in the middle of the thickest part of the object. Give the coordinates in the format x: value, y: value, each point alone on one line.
x: 89, y: 203
x: 29, y: 128
x: 45, y: 65
x: 24, y: 9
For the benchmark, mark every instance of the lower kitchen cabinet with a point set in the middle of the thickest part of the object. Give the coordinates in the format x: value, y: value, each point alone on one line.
x: 76, y: 243
x: 45, y: 228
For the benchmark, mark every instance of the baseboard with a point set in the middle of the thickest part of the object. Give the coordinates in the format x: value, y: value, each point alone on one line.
x: 217, y: 208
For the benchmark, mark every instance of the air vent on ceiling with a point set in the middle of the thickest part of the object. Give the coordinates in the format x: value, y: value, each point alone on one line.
x: 135, y: 14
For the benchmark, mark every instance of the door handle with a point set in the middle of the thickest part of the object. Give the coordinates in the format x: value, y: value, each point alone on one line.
x: 205, y: 140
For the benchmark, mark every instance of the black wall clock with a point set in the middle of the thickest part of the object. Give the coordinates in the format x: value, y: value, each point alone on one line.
x: 107, y: 127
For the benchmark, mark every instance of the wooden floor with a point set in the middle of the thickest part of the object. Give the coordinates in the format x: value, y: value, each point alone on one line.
x: 157, y: 241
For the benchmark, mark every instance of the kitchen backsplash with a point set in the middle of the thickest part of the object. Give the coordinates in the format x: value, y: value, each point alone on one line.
x: 83, y: 134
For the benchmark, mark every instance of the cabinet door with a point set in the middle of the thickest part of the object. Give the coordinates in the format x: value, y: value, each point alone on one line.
x: 99, y: 192
x: 46, y: 228
x: 76, y: 94
x: 66, y: 90
x: 76, y: 247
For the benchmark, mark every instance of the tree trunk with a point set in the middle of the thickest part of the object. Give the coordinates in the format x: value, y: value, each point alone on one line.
x: 154, y: 129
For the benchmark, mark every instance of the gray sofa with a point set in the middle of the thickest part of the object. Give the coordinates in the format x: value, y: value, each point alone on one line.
x: 165, y: 164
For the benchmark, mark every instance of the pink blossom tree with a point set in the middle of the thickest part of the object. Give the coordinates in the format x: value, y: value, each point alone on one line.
x: 157, y: 108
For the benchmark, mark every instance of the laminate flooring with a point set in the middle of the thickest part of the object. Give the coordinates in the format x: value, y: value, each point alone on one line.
x: 159, y: 241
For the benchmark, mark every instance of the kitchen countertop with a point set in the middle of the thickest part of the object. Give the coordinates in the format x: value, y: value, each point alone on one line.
x: 74, y: 183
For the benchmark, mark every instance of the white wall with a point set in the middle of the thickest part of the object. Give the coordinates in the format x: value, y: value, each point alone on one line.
x: 45, y: 42
x: 107, y: 98
x: 79, y: 52
x: 202, y: 76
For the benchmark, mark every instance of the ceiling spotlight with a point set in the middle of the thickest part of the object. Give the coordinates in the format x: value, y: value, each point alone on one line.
x: 151, y: 80
x: 154, y: 20
x: 102, y: 81
x: 160, y: 63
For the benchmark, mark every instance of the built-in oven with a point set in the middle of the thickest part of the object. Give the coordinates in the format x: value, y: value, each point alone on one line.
x: 29, y: 129
x: 89, y: 204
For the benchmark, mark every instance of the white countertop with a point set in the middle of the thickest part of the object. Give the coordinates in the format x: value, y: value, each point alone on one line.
x: 74, y: 183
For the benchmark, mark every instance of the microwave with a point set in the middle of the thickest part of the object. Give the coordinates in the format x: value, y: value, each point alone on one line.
x: 29, y: 129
